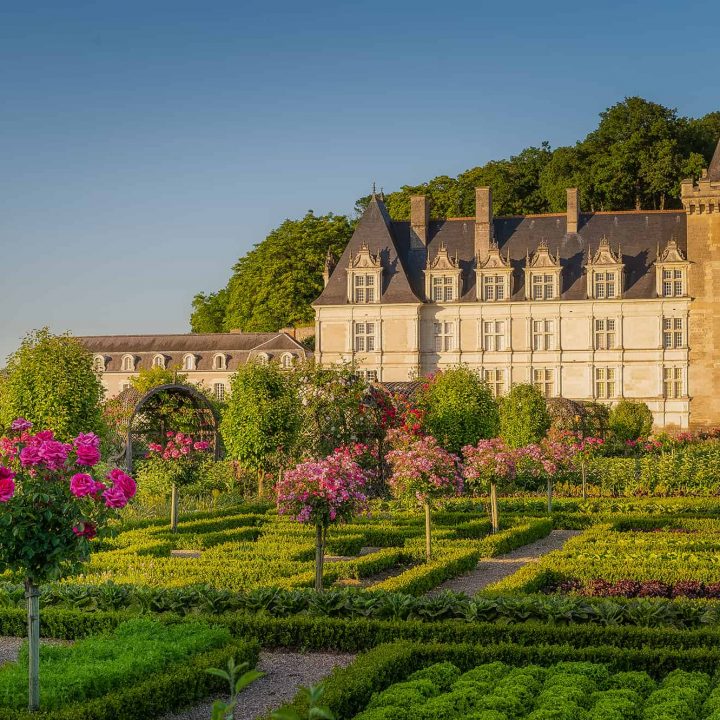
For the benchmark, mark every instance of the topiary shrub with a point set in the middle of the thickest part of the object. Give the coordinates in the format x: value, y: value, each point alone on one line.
x: 630, y: 421
x: 524, y: 417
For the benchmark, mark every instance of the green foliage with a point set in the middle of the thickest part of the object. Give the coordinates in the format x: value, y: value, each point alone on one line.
x: 273, y: 285
x: 524, y: 417
x: 149, y: 378
x: 262, y: 417
x: 458, y: 408
x: 51, y: 382
x: 311, y: 699
x: 630, y: 420
x: 237, y: 682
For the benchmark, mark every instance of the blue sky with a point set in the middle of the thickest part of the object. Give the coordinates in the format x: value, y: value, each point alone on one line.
x: 144, y: 146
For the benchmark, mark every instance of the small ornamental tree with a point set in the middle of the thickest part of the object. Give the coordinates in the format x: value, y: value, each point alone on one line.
x: 51, y: 506
x: 585, y: 449
x: 176, y: 463
x: 322, y: 493
x: 629, y: 421
x: 524, y: 417
x: 546, y: 459
x: 423, y: 472
x: 488, y: 464
x: 458, y: 408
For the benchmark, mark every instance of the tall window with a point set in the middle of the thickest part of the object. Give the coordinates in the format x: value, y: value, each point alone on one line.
x: 673, y: 282
x: 493, y: 287
x: 219, y: 362
x: 495, y: 380
x: 605, y: 286
x: 189, y: 362
x: 369, y: 375
x: 493, y: 335
x: 673, y: 382
x: 363, y: 288
x: 543, y: 332
x: 287, y: 360
x: 605, y: 383
x: 543, y: 286
x: 544, y: 381
x: 605, y: 337
x: 219, y: 389
x: 673, y: 333
x: 444, y: 333
x: 128, y: 363
x: 364, y: 336
x: 159, y: 361
x: 443, y: 288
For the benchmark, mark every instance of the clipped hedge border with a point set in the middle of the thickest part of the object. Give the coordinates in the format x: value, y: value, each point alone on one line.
x: 179, y: 686
x: 348, y: 690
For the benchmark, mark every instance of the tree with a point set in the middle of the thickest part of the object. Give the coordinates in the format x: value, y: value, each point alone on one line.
x: 322, y: 493
x: 524, y: 417
x: 273, y: 285
x: 262, y: 418
x: 423, y: 472
x: 630, y: 421
x: 458, y: 408
x: 51, y: 506
x: 149, y: 378
x: 51, y: 382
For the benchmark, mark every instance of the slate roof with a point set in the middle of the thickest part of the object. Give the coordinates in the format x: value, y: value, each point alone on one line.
x: 237, y: 347
x: 638, y: 233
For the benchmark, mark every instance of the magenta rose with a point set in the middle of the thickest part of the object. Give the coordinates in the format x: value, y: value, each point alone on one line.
x: 7, y: 484
x: 82, y: 484
x: 30, y: 456
x: 123, y: 482
x: 54, y: 454
x: 20, y: 424
x: 88, y: 531
x: 114, y: 498
x: 87, y: 449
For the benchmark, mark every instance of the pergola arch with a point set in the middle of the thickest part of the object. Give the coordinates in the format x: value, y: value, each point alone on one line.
x: 207, y: 420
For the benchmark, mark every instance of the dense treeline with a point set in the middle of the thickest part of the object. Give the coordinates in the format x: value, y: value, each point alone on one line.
x: 634, y: 159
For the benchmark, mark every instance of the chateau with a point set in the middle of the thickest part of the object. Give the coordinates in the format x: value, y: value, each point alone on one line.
x: 588, y: 306
x: 209, y: 359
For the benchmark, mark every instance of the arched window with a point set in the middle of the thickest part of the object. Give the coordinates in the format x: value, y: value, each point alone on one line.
x: 287, y: 361
x: 189, y: 362
x: 159, y: 361
x: 262, y: 358
x: 128, y: 363
x: 219, y: 362
x: 99, y: 363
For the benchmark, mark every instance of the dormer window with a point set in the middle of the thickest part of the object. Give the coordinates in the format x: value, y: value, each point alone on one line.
x: 493, y: 277
x: 542, y: 274
x: 219, y: 362
x: 671, y: 271
x: 262, y: 358
x: 442, y: 277
x: 159, y: 361
x: 128, y: 363
x: 99, y: 363
x: 364, y: 277
x: 287, y: 361
x: 605, y: 272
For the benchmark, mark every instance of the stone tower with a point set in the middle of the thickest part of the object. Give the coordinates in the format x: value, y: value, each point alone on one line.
x: 701, y: 201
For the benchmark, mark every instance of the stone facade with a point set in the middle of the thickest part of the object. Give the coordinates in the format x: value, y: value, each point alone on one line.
x: 207, y: 359
x: 587, y: 306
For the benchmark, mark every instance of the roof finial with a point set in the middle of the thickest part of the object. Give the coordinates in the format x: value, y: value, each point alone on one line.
x: 373, y: 190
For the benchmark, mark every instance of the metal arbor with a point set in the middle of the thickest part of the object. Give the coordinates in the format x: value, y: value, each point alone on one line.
x: 148, y: 423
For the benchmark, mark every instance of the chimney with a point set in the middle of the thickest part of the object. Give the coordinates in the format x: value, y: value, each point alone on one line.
x: 573, y: 210
x: 483, y: 222
x: 419, y: 217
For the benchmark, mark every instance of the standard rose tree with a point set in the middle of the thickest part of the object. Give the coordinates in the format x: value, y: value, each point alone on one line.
x: 423, y: 472
x: 322, y: 493
x: 488, y: 464
x: 178, y: 462
x: 51, y: 506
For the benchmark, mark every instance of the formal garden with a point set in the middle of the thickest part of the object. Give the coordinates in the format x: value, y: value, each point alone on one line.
x: 425, y: 552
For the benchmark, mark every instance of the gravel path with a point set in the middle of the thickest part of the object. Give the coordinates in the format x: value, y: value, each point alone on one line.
x: 10, y: 647
x: 285, y: 673
x: 491, y: 570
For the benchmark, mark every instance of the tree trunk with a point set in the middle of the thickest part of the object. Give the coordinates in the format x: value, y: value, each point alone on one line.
x: 583, y: 470
x: 428, y: 548
x: 494, y: 516
x: 549, y: 494
x: 32, y: 594
x: 174, y: 508
x: 261, y: 482
x: 319, y: 556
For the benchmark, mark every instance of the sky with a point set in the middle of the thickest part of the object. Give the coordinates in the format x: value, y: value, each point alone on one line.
x: 145, y: 146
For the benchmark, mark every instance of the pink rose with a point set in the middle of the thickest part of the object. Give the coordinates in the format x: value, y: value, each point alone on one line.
x: 30, y: 455
x: 87, y: 449
x: 114, y: 498
x: 7, y: 484
x: 54, y: 454
x: 82, y: 484
x: 88, y: 531
x: 20, y: 424
x: 123, y: 482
